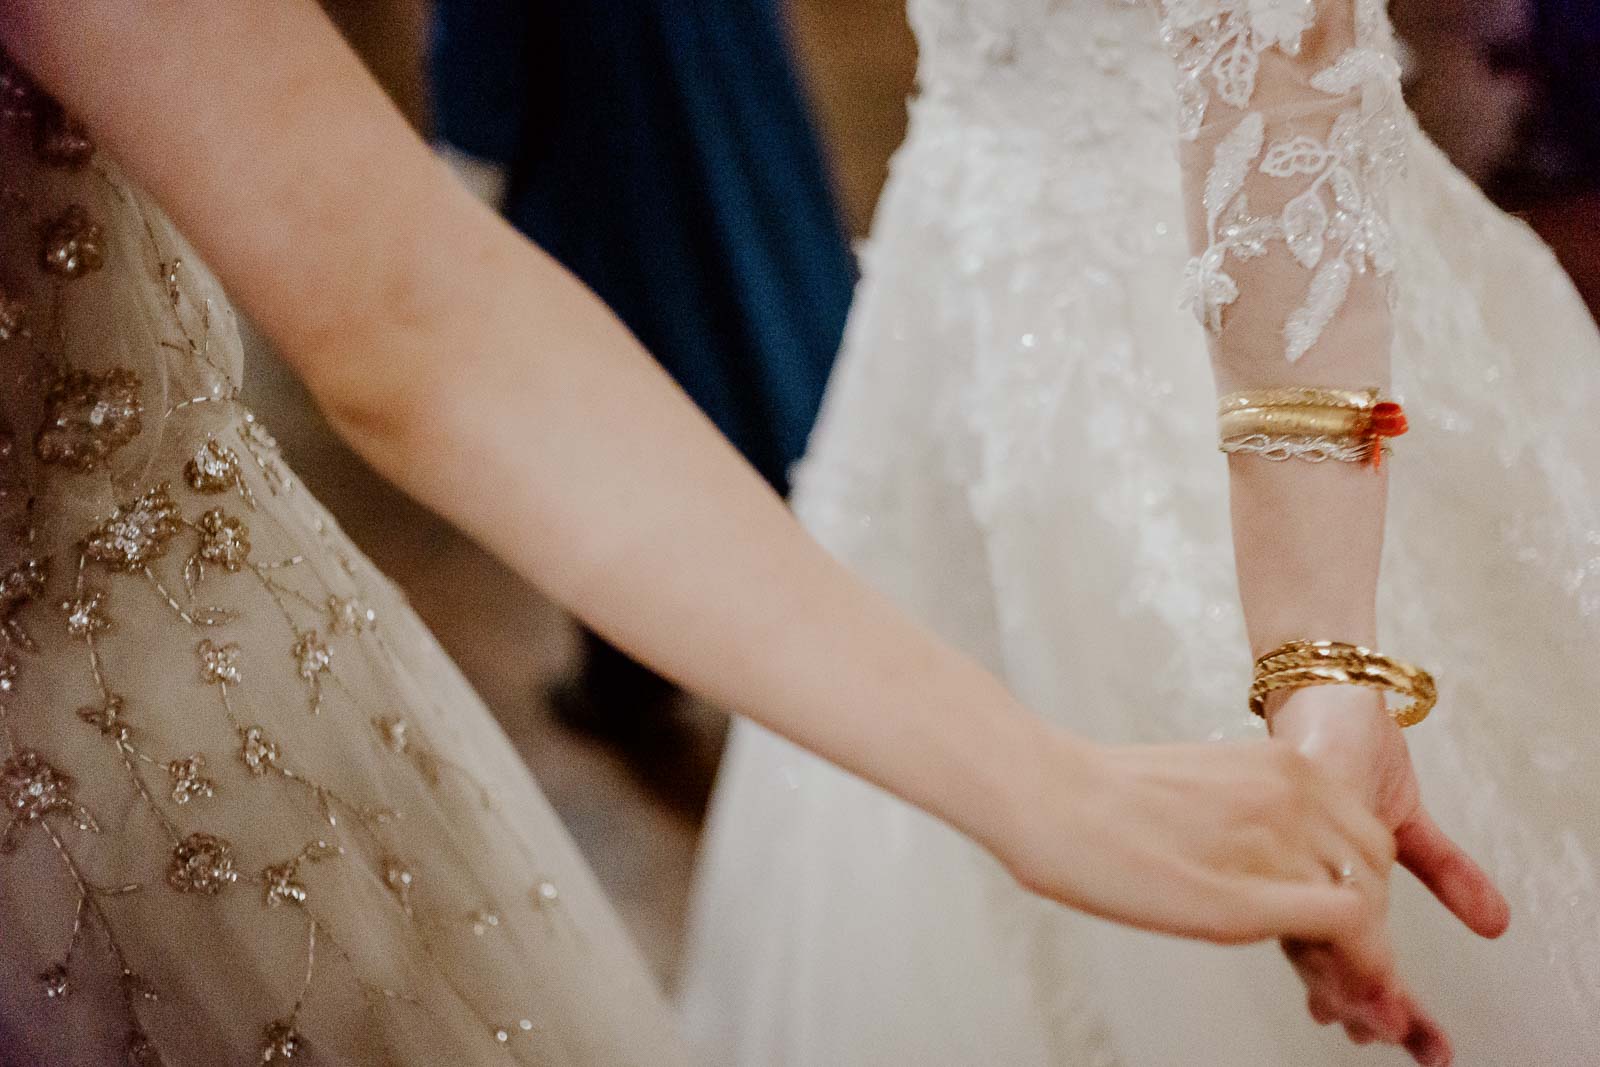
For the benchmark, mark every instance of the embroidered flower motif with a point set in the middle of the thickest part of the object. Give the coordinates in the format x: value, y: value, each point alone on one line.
x: 13, y: 317
x: 224, y: 541
x: 89, y: 416
x: 219, y: 664
x: 348, y: 615
x: 71, y: 245
x: 258, y: 751
x: 56, y: 981
x: 22, y: 585
x: 282, y: 881
x: 32, y: 789
x: 213, y: 469
x: 189, y: 781
x: 202, y: 863
x: 108, y: 719
x: 282, y: 885
x: 311, y: 655
x: 281, y: 1042
x: 136, y: 533
x: 86, y: 614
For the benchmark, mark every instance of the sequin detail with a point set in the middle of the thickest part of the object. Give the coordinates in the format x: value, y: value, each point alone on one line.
x: 189, y: 780
x: 202, y: 863
x: 219, y: 664
x: 86, y: 615
x: 281, y: 1042
x: 56, y: 981
x: 72, y: 245
x: 88, y: 417
x: 224, y: 541
x: 311, y: 655
x: 32, y: 790
x: 13, y: 317
x: 213, y: 469
x: 137, y: 533
x: 258, y: 752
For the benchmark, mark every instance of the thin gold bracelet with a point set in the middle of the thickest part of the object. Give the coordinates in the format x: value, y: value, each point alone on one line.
x: 1301, y: 664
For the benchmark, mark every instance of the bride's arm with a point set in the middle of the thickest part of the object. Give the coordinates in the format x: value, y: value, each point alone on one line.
x: 1293, y: 127
x: 468, y: 367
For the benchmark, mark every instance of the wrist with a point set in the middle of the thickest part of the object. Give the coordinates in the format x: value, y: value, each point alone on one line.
x: 1038, y: 790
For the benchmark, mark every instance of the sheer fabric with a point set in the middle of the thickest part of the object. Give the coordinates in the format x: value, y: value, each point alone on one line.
x: 1019, y: 446
x: 253, y: 813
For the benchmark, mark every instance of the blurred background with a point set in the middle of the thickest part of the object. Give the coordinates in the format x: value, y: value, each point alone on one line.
x: 726, y: 112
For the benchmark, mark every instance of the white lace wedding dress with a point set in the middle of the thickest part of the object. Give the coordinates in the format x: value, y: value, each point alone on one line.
x: 1019, y: 446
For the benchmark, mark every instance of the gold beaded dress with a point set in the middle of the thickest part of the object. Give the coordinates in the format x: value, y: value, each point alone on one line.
x: 253, y: 813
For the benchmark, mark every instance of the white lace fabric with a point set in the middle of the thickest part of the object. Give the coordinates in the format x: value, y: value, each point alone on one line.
x: 1290, y: 113
x: 1018, y: 446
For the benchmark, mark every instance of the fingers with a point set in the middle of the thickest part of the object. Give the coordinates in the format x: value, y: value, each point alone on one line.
x: 1429, y: 1046
x: 1369, y: 1009
x: 1452, y: 876
x: 1304, y: 912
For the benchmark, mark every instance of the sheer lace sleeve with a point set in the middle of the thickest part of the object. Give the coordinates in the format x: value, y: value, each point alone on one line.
x: 1289, y: 113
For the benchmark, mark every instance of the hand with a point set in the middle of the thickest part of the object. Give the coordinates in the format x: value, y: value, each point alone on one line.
x: 1348, y: 733
x: 1229, y: 843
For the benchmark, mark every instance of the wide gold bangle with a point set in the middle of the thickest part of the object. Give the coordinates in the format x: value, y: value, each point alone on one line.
x: 1301, y: 664
x: 1296, y: 396
x: 1304, y: 421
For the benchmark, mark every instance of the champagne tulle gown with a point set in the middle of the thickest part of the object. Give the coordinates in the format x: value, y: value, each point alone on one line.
x: 252, y: 812
x: 1019, y: 446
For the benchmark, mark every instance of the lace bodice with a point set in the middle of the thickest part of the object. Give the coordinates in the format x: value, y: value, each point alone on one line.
x: 1288, y: 114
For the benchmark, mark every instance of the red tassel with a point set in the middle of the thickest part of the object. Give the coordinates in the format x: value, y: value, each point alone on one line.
x: 1388, y: 420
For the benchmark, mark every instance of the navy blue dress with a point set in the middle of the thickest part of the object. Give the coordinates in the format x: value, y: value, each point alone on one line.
x: 661, y: 149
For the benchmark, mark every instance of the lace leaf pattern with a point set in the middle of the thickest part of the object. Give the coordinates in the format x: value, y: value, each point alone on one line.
x: 1336, y: 226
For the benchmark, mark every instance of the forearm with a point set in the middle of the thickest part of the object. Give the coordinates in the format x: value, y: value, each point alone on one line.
x: 473, y: 371
x: 554, y: 440
x: 1307, y: 536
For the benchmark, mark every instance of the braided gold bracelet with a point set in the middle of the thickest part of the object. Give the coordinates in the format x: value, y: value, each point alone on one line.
x: 1302, y: 664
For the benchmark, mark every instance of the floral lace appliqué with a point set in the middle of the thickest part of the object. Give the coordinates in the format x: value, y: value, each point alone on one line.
x: 1336, y: 225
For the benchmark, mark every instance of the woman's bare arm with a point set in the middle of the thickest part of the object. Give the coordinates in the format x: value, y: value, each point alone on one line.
x: 473, y: 371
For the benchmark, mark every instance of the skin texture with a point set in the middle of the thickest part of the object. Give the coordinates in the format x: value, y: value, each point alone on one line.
x: 470, y: 369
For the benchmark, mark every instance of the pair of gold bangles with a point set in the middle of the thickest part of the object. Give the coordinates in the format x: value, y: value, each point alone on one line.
x: 1310, y: 423
x: 1317, y: 425
x: 1301, y: 664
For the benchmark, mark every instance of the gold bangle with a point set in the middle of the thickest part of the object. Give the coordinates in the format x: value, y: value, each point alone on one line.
x: 1301, y: 664
x: 1300, y: 396
x: 1296, y: 422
